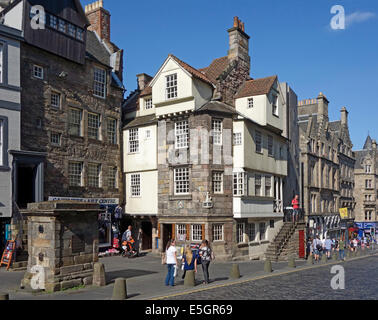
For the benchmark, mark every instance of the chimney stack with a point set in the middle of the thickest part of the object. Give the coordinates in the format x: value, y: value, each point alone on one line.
x: 99, y: 18
x: 143, y: 80
x: 344, y: 116
x: 239, y: 43
x: 322, y: 107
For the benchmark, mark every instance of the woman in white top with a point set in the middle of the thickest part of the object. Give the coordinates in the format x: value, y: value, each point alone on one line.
x: 171, y: 253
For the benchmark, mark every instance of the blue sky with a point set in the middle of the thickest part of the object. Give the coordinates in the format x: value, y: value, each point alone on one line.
x: 290, y: 38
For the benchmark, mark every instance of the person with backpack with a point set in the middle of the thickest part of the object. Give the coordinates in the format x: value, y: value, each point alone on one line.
x: 206, y: 255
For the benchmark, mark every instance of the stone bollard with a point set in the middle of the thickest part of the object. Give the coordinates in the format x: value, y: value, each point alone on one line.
x: 235, y: 272
x: 348, y: 254
x: 292, y: 262
x: 99, y: 275
x: 310, y: 260
x: 268, y: 266
x: 4, y: 296
x: 324, y: 258
x: 119, y: 290
x: 190, y: 280
x: 335, y: 256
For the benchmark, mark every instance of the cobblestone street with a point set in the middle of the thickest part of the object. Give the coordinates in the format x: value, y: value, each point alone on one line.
x: 361, y: 283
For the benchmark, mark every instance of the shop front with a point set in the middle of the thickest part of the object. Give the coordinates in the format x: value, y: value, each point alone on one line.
x: 366, y: 229
x: 324, y: 226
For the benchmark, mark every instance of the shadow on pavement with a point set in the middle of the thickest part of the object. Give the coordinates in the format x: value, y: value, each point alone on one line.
x: 127, y: 274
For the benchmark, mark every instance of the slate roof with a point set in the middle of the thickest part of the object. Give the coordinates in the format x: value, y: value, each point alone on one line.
x: 95, y: 49
x: 147, y: 91
x: 368, y: 143
x: 217, y: 106
x: 140, y: 121
x: 360, y: 156
x: 256, y: 87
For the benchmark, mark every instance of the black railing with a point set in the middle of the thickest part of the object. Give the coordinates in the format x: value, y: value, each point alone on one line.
x: 293, y: 215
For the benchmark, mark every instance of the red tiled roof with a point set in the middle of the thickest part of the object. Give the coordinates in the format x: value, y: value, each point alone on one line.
x: 146, y: 91
x: 214, y: 70
x: 256, y: 87
x: 194, y: 72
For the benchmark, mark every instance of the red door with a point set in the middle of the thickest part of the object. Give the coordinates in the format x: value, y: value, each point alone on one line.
x: 302, y: 248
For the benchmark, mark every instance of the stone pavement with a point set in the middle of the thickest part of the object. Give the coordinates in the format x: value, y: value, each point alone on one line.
x: 145, y: 279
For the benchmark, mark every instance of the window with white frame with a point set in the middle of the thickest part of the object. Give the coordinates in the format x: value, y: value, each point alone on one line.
x: 1, y: 62
x: 270, y: 146
x: 368, y: 215
x: 1, y: 142
x: 181, y: 180
x: 368, y: 184
x: 171, y: 86
x: 217, y: 128
x: 135, y: 185
x: 112, y: 130
x: 99, y: 83
x: 262, y: 229
x: 258, y: 141
x: 239, y: 184
x: 55, y: 138
x: 37, y: 72
x: 218, y: 182
x: 75, y: 171
x: 62, y: 25
x: 71, y: 30
x: 250, y: 103
x: 275, y: 105
x: 94, y: 126
x: 79, y: 34
x: 252, y: 232
x: 217, y: 232
x: 268, y: 186
x: 182, y: 134
x: 181, y: 231
x: 134, y: 141
x: 112, y: 177
x: 368, y: 168
x: 196, y: 232
x: 148, y: 104
x: 237, y: 138
x: 258, y: 185
x: 55, y: 100
x: 74, y: 121
x: 94, y: 171
x: 240, y: 231
x: 53, y: 21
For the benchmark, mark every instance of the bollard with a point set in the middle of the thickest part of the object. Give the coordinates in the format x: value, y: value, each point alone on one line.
x: 119, y: 290
x: 292, y: 262
x: 235, y: 272
x: 348, y: 254
x: 335, y: 256
x: 99, y: 275
x: 4, y: 296
x: 190, y: 280
x: 324, y: 258
x: 268, y: 266
x: 310, y: 260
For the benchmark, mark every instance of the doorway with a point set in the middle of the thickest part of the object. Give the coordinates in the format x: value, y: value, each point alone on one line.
x: 167, y: 235
x: 147, y: 235
x: 25, y: 185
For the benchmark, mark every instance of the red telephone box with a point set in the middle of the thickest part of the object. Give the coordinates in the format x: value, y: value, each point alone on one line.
x: 302, y: 247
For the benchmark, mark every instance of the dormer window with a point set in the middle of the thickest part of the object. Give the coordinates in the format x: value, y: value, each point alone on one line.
x: 171, y: 90
x: 148, y: 104
x: 250, y: 103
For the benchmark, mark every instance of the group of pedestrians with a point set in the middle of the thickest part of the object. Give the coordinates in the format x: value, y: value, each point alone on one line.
x: 190, y: 260
x: 317, y: 248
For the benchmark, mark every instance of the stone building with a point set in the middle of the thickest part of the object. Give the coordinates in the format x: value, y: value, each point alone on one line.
x: 71, y: 75
x: 198, y: 143
x: 10, y: 121
x: 327, y: 165
x: 366, y: 187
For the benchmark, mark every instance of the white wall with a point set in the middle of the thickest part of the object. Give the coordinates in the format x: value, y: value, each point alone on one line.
x: 252, y: 208
x: 146, y: 158
x: 14, y: 17
x: 147, y: 203
x: 142, y: 111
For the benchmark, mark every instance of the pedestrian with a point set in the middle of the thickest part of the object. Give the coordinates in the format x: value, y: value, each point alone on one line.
x: 189, y: 259
x: 316, y: 247
x: 295, y: 205
x: 309, y: 250
x: 341, y: 249
x: 171, y: 254
x: 328, y: 247
x: 206, y: 254
x: 355, y: 244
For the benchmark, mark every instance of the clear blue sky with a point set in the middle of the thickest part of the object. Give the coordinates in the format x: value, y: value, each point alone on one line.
x: 290, y: 38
